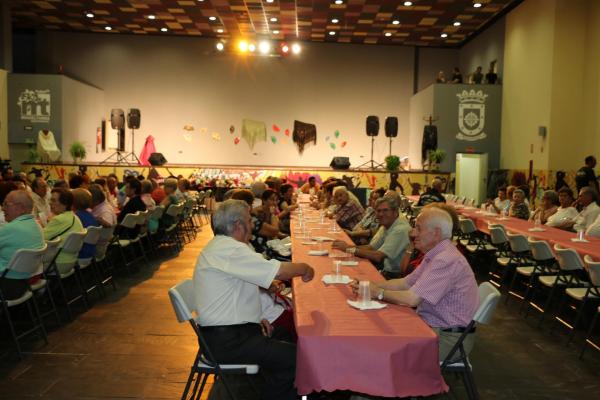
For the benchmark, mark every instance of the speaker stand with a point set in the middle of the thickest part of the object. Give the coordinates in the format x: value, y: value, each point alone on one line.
x: 371, y: 164
x: 390, y: 146
x: 121, y: 157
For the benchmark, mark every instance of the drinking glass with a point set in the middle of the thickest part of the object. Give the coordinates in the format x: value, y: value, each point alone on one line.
x: 364, y: 293
x: 580, y: 234
x: 336, y: 271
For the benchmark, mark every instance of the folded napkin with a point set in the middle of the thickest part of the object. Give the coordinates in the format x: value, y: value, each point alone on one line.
x: 579, y: 240
x: 349, y: 263
x: 372, y: 305
x: 323, y: 239
x: 309, y: 242
x: 536, y: 230
x: 318, y: 252
x: 331, y: 279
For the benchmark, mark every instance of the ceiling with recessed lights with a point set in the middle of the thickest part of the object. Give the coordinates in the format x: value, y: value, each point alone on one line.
x: 445, y: 23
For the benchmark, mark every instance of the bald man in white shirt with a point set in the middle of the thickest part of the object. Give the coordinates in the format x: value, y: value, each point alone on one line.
x: 227, y: 279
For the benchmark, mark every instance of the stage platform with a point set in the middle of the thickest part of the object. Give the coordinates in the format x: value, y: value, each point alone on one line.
x: 238, y: 175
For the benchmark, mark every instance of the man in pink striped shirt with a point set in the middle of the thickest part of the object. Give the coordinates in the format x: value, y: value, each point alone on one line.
x: 443, y: 288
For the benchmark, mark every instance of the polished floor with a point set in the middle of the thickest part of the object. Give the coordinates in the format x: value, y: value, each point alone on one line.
x: 130, y: 346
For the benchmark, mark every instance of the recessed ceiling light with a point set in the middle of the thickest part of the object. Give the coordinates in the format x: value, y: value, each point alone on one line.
x: 408, y: 3
x: 388, y: 34
x: 89, y: 15
x: 285, y: 48
x: 219, y: 30
x: 212, y: 18
x: 444, y: 35
x: 273, y: 19
x: 396, y: 22
x: 270, y: 1
x: 201, y: 1
x: 335, y: 21
x: 220, y: 46
x: 163, y: 29
x: 251, y: 47
x: 275, y: 32
x: 338, y: 1
x: 456, y: 23
x: 243, y: 46
x: 331, y: 33
x: 108, y: 28
x: 296, y: 48
x: 151, y: 16
x: 476, y: 5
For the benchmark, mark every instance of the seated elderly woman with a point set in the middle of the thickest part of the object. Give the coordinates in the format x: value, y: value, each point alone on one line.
x: 261, y: 231
x: 566, y: 213
x: 364, y: 230
x: 548, y: 207
x: 349, y: 212
x: 266, y: 211
x: 286, y: 206
x: 102, y: 210
x: 82, y: 201
x: 518, y: 208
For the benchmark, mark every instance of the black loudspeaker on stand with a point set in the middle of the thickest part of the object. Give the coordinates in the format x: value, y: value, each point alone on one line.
x: 391, y: 129
x: 117, y: 121
x: 372, y: 129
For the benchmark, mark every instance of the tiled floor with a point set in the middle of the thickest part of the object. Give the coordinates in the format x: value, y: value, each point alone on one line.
x: 131, y: 346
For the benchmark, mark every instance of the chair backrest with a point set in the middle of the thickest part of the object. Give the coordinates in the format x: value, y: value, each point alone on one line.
x: 130, y: 220
x: 73, y: 242
x: 489, y: 297
x: 568, y: 259
x: 93, y: 235
x: 174, y: 210
x: 143, y: 217
x: 182, y: 299
x: 53, y: 247
x: 106, y: 235
x: 518, y: 243
x: 498, y: 235
x: 467, y: 226
x: 158, y: 212
x: 540, y: 250
x: 28, y: 261
x: 593, y: 268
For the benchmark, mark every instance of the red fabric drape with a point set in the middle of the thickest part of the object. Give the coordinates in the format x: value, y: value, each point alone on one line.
x: 147, y: 150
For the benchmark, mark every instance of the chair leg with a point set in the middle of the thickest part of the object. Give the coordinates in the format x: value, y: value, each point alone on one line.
x: 13, y: 333
x: 577, y: 319
x: 589, y: 335
x: 546, y: 306
x: 189, y: 383
x: 64, y: 295
x: 38, y: 317
x: 204, y: 379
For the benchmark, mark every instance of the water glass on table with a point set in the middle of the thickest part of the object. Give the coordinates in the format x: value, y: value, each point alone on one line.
x: 364, y: 293
x: 581, y: 235
x: 337, y: 270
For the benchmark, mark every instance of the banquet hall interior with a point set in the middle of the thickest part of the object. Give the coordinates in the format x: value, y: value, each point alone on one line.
x: 299, y: 199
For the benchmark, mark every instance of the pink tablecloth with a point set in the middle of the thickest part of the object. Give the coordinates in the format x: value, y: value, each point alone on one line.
x: 389, y: 352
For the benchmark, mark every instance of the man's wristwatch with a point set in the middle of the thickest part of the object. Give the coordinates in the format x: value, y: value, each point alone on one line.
x: 380, y: 295
x: 351, y: 250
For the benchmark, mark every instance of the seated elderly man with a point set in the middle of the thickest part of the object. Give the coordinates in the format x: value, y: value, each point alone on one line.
x: 518, y: 207
x: 41, y: 199
x: 362, y: 232
x: 391, y: 240
x: 499, y: 204
x: 433, y: 195
x: 227, y: 279
x: 20, y: 232
x: 348, y: 212
x: 443, y: 288
x: 588, y: 198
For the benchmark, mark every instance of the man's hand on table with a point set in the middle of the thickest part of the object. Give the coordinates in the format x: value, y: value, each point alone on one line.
x: 340, y: 245
x: 309, y: 274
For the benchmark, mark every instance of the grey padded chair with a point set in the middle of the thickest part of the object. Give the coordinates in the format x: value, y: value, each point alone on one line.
x: 182, y: 296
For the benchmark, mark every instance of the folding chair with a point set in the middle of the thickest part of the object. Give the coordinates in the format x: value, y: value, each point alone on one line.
x: 105, y: 266
x: 182, y: 296
x: 518, y: 256
x: 593, y: 268
x: 488, y: 300
x: 91, y: 238
x: 127, y: 241
x: 27, y: 262
x: 41, y: 287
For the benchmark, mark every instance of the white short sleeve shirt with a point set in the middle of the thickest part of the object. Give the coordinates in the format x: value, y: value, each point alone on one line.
x: 586, y: 217
x: 227, y: 278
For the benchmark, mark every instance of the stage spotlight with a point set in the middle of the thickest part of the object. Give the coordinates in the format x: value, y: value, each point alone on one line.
x: 296, y: 48
x: 220, y: 46
x: 264, y: 47
x: 243, y: 46
x: 251, y: 47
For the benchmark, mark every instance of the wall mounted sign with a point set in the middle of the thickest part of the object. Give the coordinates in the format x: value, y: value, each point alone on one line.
x: 471, y: 115
x: 35, y: 105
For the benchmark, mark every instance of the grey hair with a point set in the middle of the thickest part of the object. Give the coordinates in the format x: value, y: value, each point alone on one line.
x: 434, y: 217
x: 97, y: 192
x: 340, y: 188
x: 258, y: 188
x: 391, y: 199
x: 170, y: 183
x: 146, y: 186
x: 591, y: 191
x: 552, y: 196
x: 519, y: 191
x: 227, y: 214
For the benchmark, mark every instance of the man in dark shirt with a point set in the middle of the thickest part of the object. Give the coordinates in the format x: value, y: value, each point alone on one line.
x: 586, y: 175
x: 478, y: 76
x: 433, y: 195
x: 133, y: 190
x: 456, y: 76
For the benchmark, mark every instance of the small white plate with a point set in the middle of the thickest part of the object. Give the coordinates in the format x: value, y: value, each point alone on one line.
x: 579, y: 240
x: 373, y: 305
x: 318, y: 252
x: 332, y: 280
x: 323, y: 239
x: 349, y: 263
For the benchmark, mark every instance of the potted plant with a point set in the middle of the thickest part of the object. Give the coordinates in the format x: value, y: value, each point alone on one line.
x: 392, y: 163
x: 436, y: 157
x: 77, y: 151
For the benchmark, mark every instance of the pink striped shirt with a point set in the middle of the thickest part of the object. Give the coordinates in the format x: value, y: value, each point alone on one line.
x: 446, y: 285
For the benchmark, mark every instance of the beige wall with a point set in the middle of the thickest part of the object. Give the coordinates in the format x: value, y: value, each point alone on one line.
x: 591, y: 81
x: 431, y: 61
x: 526, y: 100
x: 485, y: 48
x: 421, y: 105
x: 181, y: 81
x: 3, y: 114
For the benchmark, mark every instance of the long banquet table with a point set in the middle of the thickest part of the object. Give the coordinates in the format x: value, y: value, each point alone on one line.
x: 389, y: 352
x: 515, y: 225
